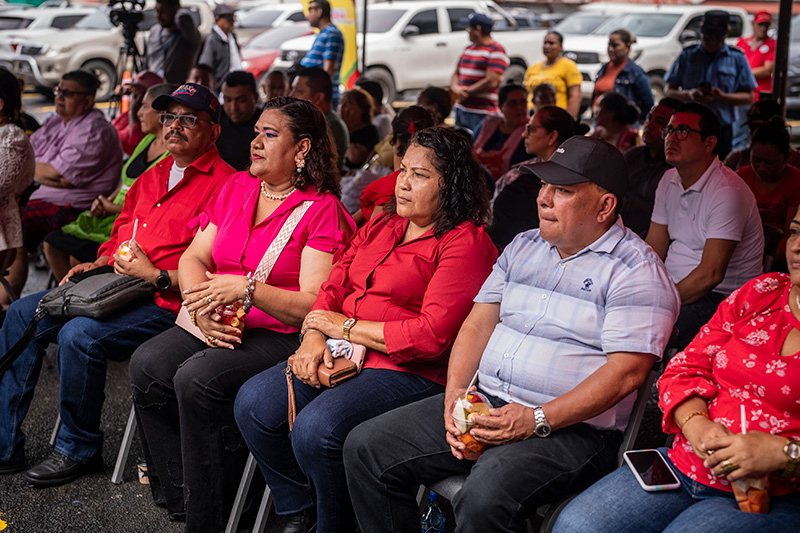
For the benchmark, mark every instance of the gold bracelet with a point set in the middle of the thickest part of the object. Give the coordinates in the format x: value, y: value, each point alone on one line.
x: 193, y: 316
x: 690, y: 416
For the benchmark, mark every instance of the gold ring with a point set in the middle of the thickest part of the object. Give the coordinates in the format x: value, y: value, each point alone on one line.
x: 727, y: 467
x: 208, y: 299
x: 710, y: 452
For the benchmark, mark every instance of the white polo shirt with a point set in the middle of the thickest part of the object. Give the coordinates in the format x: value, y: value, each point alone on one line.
x: 718, y: 206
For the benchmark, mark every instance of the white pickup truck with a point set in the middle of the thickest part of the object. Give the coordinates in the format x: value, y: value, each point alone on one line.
x: 416, y: 44
x: 661, y: 31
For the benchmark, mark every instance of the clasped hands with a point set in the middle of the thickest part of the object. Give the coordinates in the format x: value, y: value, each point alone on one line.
x: 510, y: 423
x: 734, y: 455
x: 314, y: 351
x: 205, y: 297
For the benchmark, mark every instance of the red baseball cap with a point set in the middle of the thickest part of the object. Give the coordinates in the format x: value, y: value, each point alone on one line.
x: 145, y: 79
x: 762, y: 17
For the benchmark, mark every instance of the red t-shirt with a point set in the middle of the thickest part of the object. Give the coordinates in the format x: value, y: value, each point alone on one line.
x: 778, y: 206
x: 422, y: 290
x: 127, y: 138
x: 378, y: 193
x: 756, y: 57
x: 735, y: 360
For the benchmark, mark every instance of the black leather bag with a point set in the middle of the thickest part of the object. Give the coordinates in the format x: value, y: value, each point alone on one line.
x: 97, y: 293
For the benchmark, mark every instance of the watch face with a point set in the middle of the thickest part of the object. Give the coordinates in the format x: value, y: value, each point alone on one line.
x: 793, y: 450
x: 349, y: 322
x: 542, y: 431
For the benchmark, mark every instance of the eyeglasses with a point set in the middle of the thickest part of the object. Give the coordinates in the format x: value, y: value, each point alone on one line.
x: 530, y: 128
x: 681, y: 132
x: 186, y: 121
x: 67, y: 93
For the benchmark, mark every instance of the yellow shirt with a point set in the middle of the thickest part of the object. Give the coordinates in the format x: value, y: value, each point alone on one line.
x: 561, y: 75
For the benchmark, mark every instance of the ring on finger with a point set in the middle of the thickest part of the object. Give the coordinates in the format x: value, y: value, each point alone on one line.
x: 726, y: 467
x: 208, y: 299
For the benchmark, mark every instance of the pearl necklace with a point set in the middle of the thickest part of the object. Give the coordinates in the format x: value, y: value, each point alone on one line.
x: 277, y: 197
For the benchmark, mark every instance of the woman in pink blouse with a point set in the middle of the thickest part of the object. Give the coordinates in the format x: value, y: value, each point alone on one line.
x: 183, y: 387
x: 746, y: 359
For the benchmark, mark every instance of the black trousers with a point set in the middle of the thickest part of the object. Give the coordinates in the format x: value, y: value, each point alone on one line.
x: 183, y: 393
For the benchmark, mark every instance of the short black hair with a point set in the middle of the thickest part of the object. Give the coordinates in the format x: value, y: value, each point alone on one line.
x: 373, y: 88
x: 205, y: 67
x: 502, y: 94
x: 438, y: 97
x: 773, y: 132
x: 554, y: 118
x: 559, y: 36
x: 318, y: 81
x: 171, y: 3
x: 239, y: 78
x: 624, y: 111
x: 670, y: 102
x: 709, y: 121
x: 86, y: 79
x: 324, y: 5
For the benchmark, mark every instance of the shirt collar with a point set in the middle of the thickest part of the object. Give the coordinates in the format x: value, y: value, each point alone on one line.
x: 699, y: 184
x: 221, y: 33
x: 603, y: 245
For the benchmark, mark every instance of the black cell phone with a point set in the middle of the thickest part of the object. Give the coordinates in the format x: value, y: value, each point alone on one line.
x: 651, y: 470
x: 705, y: 87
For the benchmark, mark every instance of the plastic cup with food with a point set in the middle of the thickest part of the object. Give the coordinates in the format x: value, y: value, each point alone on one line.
x: 232, y: 315
x: 752, y: 494
x: 462, y: 412
x: 125, y: 251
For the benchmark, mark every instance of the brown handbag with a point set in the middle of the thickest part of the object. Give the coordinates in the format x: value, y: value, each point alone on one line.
x: 343, y: 369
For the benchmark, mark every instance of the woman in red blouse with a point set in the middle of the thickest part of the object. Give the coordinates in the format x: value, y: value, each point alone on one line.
x: 404, y: 286
x: 746, y: 359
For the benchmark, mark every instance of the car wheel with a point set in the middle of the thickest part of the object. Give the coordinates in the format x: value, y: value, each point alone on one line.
x: 105, y: 74
x: 385, y: 79
x: 657, y: 86
x: 514, y: 74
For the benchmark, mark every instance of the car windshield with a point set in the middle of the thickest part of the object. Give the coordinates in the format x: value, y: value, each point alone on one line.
x: 640, y: 24
x: 14, y: 23
x: 580, y: 23
x: 272, y: 39
x: 380, y: 20
x: 258, y: 18
x: 95, y: 21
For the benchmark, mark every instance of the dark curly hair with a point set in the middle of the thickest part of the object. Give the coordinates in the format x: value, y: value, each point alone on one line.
x: 307, y: 122
x: 463, y: 193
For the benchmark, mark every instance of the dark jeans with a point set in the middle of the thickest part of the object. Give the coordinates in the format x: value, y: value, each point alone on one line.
x: 694, y: 316
x: 388, y: 456
x: 84, y: 345
x: 305, y: 466
x: 183, y: 392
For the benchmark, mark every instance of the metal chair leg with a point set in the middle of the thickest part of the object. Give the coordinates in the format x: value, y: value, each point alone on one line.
x: 124, y: 448
x: 241, y: 495
x: 56, y: 428
x: 263, y: 511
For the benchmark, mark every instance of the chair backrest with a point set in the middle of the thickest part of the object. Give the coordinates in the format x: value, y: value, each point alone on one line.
x: 26, y: 194
x: 772, y: 239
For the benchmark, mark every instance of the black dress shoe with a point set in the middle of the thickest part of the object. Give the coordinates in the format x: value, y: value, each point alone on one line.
x: 303, y: 522
x: 11, y: 468
x: 58, y: 470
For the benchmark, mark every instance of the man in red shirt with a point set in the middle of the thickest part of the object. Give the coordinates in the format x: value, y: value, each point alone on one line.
x: 760, y: 52
x: 164, y: 200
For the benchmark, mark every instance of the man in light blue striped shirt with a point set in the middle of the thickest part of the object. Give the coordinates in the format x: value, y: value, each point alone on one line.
x: 565, y: 330
x: 328, y: 48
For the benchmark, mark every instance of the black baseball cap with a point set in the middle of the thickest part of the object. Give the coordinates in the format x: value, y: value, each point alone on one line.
x: 193, y: 95
x: 584, y: 159
x: 715, y: 23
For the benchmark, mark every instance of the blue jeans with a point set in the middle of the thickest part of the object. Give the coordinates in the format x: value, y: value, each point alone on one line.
x: 306, y: 465
x: 467, y: 119
x: 387, y: 457
x: 618, y: 503
x: 84, y: 345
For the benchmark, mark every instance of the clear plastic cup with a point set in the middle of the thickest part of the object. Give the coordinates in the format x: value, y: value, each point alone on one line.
x: 125, y: 251
x: 462, y: 412
x: 752, y: 494
x: 232, y: 315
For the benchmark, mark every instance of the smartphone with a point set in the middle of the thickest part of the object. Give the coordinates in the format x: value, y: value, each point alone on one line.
x: 705, y: 87
x: 651, y: 470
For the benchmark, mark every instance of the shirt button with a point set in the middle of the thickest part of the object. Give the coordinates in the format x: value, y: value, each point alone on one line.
x: 505, y: 355
x: 544, y: 296
x: 144, y: 225
x: 561, y: 265
x: 500, y: 387
x: 158, y: 204
x: 527, y: 325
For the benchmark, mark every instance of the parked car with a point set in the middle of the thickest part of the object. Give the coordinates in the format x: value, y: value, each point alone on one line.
x: 415, y: 44
x: 262, y: 50
x: 44, y: 56
x: 793, y: 73
x: 253, y: 21
x: 661, y: 31
x: 16, y: 20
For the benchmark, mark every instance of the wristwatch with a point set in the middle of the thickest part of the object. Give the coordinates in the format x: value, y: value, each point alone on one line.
x: 348, y: 325
x: 542, y: 428
x: 163, y: 283
x: 792, y: 451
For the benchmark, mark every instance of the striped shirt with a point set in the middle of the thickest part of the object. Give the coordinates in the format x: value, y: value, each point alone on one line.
x: 329, y: 45
x: 559, y: 318
x: 475, y: 63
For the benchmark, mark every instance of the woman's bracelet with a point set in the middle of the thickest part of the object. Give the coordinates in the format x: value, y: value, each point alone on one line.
x: 193, y: 317
x: 248, y: 293
x: 690, y: 416
x: 304, y: 331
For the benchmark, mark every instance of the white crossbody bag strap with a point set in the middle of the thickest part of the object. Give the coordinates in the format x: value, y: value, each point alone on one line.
x: 275, y: 249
